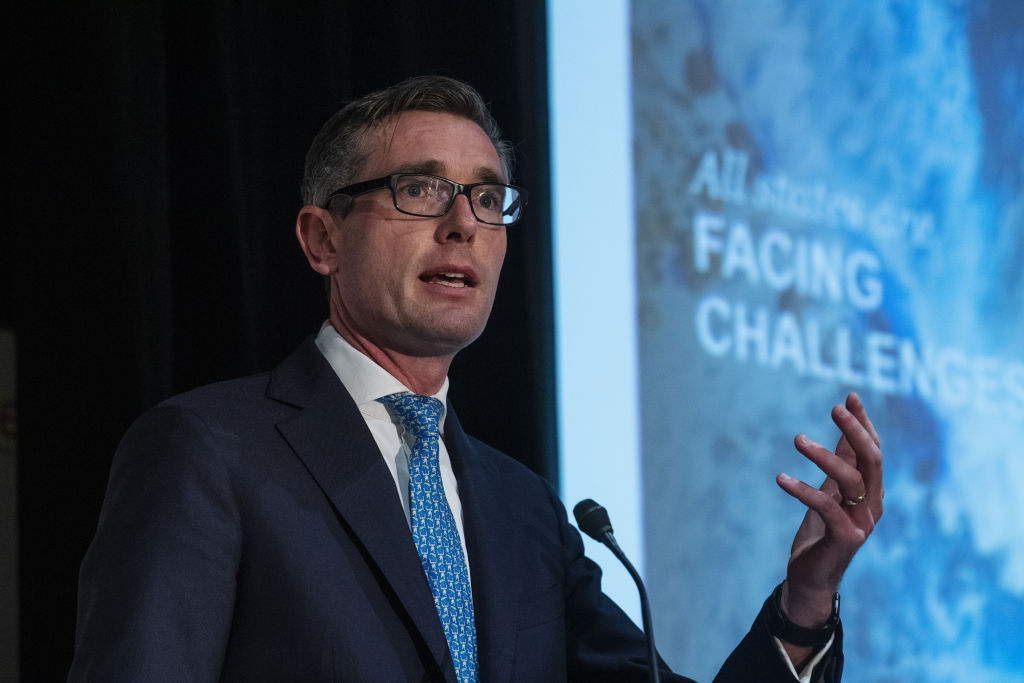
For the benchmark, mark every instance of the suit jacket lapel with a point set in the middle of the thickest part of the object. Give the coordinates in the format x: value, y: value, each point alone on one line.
x: 330, y: 436
x: 490, y: 542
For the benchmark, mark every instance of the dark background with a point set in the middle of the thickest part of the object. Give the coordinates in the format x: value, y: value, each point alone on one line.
x: 154, y: 153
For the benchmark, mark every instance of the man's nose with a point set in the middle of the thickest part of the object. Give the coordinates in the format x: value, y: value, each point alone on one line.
x: 459, y: 223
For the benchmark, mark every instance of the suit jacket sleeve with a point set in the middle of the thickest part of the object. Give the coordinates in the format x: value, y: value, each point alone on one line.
x: 157, y: 584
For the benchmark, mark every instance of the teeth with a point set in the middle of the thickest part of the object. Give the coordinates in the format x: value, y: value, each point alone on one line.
x: 452, y: 279
x: 449, y: 279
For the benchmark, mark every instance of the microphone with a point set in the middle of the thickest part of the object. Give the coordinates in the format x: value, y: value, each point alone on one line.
x: 593, y: 520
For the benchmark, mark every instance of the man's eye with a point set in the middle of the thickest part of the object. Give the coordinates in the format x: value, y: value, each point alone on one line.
x: 413, y: 190
x: 488, y: 199
x: 423, y: 188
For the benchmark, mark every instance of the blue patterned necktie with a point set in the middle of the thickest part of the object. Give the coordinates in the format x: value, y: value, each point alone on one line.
x: 434, y: 531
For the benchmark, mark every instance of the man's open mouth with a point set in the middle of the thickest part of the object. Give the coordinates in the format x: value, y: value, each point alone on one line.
x: 449, y: 279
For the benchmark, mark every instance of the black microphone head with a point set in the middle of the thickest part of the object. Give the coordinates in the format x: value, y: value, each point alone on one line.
x: 592, y: 519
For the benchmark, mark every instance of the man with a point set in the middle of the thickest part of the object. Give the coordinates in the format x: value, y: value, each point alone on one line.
x: 332, y: 521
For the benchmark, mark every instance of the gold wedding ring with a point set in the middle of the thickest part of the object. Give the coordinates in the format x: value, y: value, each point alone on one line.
x: 855, y: 501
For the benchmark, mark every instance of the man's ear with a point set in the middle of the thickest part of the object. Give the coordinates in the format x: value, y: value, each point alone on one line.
x: 313, y: 228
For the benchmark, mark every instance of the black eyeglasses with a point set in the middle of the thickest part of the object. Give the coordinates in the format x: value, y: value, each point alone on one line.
x: 430, y: 196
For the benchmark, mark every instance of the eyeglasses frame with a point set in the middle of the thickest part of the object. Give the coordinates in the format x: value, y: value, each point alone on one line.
x: 389, y: 181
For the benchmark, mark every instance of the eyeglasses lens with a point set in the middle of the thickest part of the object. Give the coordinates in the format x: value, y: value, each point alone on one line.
x: 424, y: 195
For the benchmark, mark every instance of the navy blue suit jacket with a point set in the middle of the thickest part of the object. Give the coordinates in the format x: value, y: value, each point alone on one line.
x: 251, y: 531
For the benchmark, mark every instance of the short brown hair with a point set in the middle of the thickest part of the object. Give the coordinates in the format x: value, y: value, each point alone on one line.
x: 338, y: 152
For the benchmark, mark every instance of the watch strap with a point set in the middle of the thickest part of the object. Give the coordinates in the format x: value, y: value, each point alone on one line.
x: 781, y: 627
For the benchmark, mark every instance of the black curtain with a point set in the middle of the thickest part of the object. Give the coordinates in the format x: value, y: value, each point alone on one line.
x: 154, y: 157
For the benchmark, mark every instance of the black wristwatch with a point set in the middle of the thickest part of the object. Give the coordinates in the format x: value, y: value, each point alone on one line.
x: 782, y: 628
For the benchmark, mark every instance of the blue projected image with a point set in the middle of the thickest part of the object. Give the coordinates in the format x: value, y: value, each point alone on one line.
x: 830, y: 197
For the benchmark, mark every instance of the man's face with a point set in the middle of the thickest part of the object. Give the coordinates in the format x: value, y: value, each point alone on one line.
x: 418, y: 286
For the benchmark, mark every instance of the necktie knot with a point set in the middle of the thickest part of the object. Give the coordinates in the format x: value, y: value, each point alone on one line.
x: 421, y: 415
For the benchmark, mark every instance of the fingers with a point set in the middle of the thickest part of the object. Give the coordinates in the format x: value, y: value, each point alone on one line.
x: 837, y: 521
x: 847, y: 480
x: 854, y: 405
x: 863, y: 440
x: 854, y: 470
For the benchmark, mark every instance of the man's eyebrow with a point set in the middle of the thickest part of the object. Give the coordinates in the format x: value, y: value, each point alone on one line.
x: 482, y: 174
x: 431, y: 167
x: 487, y: 175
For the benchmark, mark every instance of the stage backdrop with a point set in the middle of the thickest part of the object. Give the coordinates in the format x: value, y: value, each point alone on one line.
x: 827, y: 197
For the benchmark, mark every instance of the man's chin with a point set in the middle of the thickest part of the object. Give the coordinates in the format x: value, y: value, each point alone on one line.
x: 442, y: 331
x: 438, y: 342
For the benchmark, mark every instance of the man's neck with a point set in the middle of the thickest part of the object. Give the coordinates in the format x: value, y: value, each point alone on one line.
x: 421, y: 374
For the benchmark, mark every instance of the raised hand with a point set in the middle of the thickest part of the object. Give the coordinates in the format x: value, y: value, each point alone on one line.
x: 841, y: 514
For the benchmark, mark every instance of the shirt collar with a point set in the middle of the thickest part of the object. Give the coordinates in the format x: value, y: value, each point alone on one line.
x: 364, y: 380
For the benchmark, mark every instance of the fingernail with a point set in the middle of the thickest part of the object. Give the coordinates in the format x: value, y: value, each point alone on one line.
x: 785, y: 477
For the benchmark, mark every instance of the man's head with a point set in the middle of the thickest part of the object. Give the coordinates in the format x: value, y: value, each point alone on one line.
x: 409, y: 291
